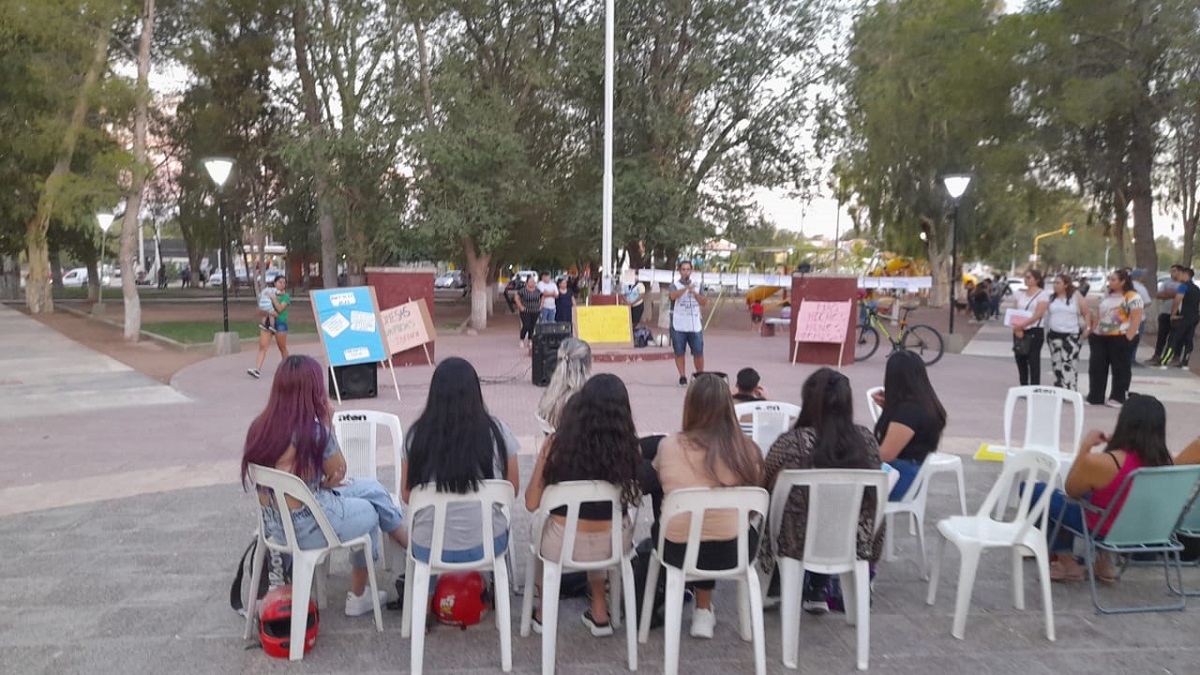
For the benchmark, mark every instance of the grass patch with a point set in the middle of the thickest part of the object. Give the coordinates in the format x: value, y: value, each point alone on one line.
x: 201, y: 332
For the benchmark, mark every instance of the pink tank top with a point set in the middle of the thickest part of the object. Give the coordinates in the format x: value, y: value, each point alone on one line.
x: 1102, y: 497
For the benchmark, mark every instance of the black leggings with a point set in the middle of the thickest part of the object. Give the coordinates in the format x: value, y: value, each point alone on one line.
x: 1109, y: 352
x: 714, y: 555
x: 1164, y: 335
x: 1029, y: 366
x: 528, y: 321
x: 1182, y: 336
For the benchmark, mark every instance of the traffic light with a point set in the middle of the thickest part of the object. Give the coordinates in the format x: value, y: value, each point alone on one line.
x: 1068, y: 228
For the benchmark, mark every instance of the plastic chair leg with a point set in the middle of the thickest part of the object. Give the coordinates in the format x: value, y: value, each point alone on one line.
x: 256, y: 569
x: 790, y: 576
x: 628, y: 590
x: 303, y: 569
x: 373, y: 587
x: 551, y: 581
x: 962, y: 487
x: 1043, y: 564
x: 920, y: 523
x: 410, y: 582
x: 862, y: 599
x: 754, y: 590
x: 966, y: 584
x: 510, y: 560
x: 673, y: 628
x: 1018, y: 578
x: 889, y: 537
x: 652, y: 570
x: 745, y: 630
x: 614, y: 597
x: 503, y: 611
x: 935, y: 571
x: 849, y: 597
x: 419, y: 581
x: 528, y: 600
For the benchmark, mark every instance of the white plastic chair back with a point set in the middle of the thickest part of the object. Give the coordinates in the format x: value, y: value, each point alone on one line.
x: 694, y: 502
x: 748, y: 408
x: 572, y: 495
x: 768, y: 426
x: 357, y: 433
x: 489, y: 494
x: 1043, y: 419
x: 835, y: 500
x: 1028, y: 467
x: 283, y: 485
x: 872, y: 406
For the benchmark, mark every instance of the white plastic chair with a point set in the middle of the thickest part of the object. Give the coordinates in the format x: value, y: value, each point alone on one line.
x: 418, y: 573
x: 283, y: 485
x: 1043, y: 425
x: 357, y: 433
x: 748, y: 408
x: 768, y: 426
x: 572, y: 495
x: 695, y: 501
x: 973, y: 534
x: 835, y: 500
x: 912, y: 504
x: 939, y: 462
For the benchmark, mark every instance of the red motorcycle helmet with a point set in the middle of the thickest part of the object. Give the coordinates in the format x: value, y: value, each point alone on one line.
x: 275, y: 623
x: 460, y: 599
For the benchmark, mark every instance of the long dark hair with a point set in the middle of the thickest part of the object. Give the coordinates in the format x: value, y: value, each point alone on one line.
x: 596, y: 439
x: 906, y: 376
x: 1142, y: 430
x: 297, y: 414
x: 710, y: 422
x: 1125, y: 278
x: 454, y: 442
x: 829, y: 410
x: 1068, y: 288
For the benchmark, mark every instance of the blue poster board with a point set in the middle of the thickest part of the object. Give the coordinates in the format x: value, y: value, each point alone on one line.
x: 349, y: 325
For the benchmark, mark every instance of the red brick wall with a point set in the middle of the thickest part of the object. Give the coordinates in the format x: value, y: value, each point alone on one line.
x: 822, y: 289
x: 394, y: 287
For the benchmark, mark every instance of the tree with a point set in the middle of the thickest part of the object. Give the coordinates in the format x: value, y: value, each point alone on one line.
x: 133, y: 197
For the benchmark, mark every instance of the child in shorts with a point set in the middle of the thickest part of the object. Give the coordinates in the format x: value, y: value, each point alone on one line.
x: 266, y: 307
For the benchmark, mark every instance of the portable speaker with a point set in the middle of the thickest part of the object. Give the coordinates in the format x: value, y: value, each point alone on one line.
x: 546, y: 339
x: 360, y: 380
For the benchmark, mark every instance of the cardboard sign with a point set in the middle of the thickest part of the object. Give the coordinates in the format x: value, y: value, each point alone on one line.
x: 407, y: 326
x: 822, y: 321
x: 604, y: 325
x: 349, y: 325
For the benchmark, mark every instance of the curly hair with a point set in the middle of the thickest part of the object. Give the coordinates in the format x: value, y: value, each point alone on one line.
x: 596, y: 439
x: 574, y: 367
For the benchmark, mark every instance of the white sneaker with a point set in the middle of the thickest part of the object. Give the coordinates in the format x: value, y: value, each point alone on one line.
x: 703, y: 622
x: 253, y: 372
x: 357, y: 605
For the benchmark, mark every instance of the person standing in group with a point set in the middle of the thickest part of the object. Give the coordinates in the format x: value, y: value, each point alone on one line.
x: 1185, y: 315
x: 294, y: 434
x: 1063, y: 333
x: 564, y: 302
x: 549, y: 291
x: 911, y: 420
x: 529, y: 306
x: 280, y: 300
x: 711, y: 452
x: 687, y: 328
x: 1114, y: 327
x: 1136, y: 276
x: 1029, y: 333
x: 637, y: 303
x: 1167, y: 291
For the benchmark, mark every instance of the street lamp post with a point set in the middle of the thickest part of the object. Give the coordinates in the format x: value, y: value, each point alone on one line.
x: 218, y: 169
x: 105, y: 219
x: 956, y: 184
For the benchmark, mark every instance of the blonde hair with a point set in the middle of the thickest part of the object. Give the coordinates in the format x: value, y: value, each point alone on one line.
x: 574, y: 368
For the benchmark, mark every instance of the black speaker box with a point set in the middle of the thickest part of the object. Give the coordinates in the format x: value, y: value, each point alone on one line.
x: 546, y: 339
x: 360, y: 380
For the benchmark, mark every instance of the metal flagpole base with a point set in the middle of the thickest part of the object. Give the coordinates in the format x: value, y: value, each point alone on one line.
x: 226, y: 343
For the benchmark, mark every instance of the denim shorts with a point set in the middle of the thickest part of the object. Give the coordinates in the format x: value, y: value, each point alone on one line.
x: 693, y: 340
x: 461, y: 556
x: 360, y: 507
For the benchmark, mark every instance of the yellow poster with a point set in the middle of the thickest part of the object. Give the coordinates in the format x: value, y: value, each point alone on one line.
x: 604, y: 325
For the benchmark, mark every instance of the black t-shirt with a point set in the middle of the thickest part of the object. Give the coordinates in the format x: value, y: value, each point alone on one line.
x: 926, y: 435
x: 746, y: 398
x: 1189, y: 308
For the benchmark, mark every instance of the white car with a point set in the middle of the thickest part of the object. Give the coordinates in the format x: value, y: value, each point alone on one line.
x: 75, y: 278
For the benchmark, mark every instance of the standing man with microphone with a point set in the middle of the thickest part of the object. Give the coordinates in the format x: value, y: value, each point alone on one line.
x: 687, y: 327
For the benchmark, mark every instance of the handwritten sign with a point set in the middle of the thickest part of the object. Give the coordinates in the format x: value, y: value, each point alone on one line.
x: 822, y: 322
x: 604, y: 325
x: 347, y: 321
x: 407, y: 326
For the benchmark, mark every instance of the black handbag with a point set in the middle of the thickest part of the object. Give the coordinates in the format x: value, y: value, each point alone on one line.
x: 1023, y: 345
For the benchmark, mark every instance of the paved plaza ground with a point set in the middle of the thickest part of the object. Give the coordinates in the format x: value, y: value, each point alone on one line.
x: 122, y: 520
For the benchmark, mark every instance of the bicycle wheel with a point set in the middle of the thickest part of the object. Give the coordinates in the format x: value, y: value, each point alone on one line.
x: 866, y: 343
x: 925, y: 341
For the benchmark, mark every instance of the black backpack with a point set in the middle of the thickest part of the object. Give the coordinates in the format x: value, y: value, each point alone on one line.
x: 277, y: 571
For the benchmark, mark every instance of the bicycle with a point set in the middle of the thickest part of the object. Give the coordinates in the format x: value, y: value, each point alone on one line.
x: 920, y: 338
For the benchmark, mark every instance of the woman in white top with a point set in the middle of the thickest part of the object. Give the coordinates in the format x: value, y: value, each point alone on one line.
x: 1063, y: 332
x: 1033, y: 300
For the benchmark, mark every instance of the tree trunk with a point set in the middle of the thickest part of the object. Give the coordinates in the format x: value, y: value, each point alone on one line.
x: 56, y: 272
x: 1141, y: 162
x: 316, y: 130
x: 133, y: 199
x: 10, y: 277
x: 1119, y: 227
x: 37, y: 288
x: 94, y: 281
x: 477, y: 267
x: 1189, y: 237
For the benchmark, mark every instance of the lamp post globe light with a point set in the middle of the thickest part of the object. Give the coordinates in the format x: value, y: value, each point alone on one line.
x: 105, y: 220
x: 218, y: 169
x: 956, y: 185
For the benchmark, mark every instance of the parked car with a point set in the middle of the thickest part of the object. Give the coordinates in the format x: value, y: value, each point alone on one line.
x: 452, y: 280
x: 239, y: 278
x: 75, y: 278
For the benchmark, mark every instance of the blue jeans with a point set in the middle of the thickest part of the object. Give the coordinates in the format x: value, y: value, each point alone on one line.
x: 1069, y: 515
x: 361, y: 507
x: 463, y: 555
x: 908, y: 470
x: 547, y: 315
x: 683, y: 340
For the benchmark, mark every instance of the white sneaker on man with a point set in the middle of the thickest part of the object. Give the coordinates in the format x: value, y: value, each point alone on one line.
x: 703, y: 622
x: 357, y: 605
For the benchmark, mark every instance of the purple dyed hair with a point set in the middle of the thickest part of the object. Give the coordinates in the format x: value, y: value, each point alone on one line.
x: 297, y: 413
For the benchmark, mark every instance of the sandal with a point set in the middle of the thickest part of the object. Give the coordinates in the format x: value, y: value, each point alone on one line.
x: 1060, y: 571
x: 1104, y: 570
